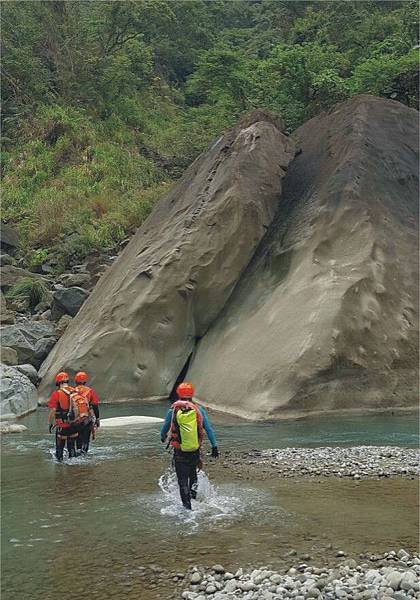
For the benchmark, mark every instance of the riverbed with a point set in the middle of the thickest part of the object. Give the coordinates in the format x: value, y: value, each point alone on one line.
x: 112, y: 524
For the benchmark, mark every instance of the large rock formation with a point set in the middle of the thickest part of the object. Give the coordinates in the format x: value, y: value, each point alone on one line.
x: 142, y: 321
x: 325, y: 317
x: 317, y: 313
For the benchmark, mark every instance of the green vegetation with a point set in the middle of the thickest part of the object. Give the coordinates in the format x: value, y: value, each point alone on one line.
x: 34, y: 290
x: 106, y: 103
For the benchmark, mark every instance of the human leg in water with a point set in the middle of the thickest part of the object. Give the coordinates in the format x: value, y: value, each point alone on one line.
x: 71, y: 445
x: 193, y: 480
x: 60, y: 442
x: 186, y: 472
x: 87, y: 430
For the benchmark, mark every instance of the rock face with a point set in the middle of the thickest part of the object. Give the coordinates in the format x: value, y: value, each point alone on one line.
x: 325, y: 316
x: 31, y: 340
x: 139, y: 326
x: 18, y: 395
x: 285, y: 301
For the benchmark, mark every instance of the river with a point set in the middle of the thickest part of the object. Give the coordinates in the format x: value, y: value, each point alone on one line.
x: 105, y: 525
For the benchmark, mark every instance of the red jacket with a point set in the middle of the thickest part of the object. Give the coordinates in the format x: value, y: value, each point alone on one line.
x: 60, y: 401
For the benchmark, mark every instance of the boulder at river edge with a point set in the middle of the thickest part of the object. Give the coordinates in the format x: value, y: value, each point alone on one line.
x: 143, y: 319
x: 18, y: 395
x: 287, y: 293
x: 325, y: 316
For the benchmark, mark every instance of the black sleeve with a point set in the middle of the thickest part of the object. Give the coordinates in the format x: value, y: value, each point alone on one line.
x: 95, y: 409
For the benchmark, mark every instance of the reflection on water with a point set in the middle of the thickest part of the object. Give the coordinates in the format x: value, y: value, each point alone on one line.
x: 120, y: 506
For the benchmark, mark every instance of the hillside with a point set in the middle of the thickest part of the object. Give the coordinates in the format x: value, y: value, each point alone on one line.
x: 105, y: 104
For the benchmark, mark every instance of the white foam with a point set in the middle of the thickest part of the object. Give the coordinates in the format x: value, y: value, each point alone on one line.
x: 211, y: 504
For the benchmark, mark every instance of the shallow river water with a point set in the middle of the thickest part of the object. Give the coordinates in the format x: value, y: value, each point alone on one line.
x: 103, y: 526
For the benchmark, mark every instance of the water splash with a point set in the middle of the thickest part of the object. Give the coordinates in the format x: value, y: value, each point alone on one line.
x: 213, y: 503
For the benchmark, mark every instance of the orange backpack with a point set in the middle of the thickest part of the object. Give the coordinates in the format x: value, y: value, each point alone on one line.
x: 79, y: 410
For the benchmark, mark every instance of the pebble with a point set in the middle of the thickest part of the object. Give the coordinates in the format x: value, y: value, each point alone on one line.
x: 357, y: 462
x: 385, y: 580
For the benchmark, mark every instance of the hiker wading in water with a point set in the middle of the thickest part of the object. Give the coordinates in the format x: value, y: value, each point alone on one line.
x: 58, y: 417
x: 185, y: 423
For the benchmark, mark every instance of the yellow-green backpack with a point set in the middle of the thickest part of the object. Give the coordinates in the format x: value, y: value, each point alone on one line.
x: 188, y: 430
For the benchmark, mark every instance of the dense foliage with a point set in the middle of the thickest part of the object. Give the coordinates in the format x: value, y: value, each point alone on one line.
x: 105, y: 103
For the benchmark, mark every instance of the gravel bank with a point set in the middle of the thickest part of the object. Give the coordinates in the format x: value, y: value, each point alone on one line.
x: 359, y: 462
x: 395, y: 577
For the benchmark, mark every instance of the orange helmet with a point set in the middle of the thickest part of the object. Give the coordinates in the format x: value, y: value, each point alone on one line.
x: 185, y: 390
x: 61, y: 377
x: 81, y: 377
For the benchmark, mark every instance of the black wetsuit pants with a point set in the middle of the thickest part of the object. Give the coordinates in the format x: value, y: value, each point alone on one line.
x: 83, y: 439
x: 63, y: 436
x: 186, y: 464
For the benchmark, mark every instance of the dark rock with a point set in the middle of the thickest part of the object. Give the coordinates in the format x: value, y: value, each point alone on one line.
x: 47, y: 269
x: 42, y: 348
x: 9, y: 238
x: 67, y: 301
x: 29, y: 339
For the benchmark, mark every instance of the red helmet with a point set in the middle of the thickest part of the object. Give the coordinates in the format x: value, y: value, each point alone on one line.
x: 62, y: 377
x: 185, y: 390
x: 81, y: 377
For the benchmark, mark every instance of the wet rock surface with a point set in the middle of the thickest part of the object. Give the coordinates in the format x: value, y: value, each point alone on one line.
x: 394, y: 579
x: 357, y: 462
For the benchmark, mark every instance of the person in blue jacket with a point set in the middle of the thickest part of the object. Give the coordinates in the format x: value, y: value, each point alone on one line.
x: 186, y: 463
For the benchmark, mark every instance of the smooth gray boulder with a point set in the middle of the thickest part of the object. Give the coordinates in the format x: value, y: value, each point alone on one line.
x: 137, y: 329
x: 18, y: 395
x: 32, y: 340
x: 67, y: 301
x: 326, y: 316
